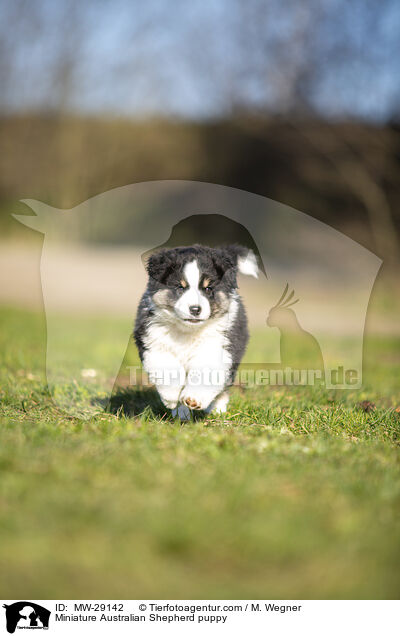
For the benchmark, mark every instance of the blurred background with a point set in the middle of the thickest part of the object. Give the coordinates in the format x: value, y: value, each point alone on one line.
x: 298, y: 102
x: 295, y: 101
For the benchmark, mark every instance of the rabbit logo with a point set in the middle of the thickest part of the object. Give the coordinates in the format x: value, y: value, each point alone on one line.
x: 299, y: 349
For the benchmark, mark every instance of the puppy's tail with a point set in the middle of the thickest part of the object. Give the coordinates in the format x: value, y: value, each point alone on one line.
x: 246, y: 260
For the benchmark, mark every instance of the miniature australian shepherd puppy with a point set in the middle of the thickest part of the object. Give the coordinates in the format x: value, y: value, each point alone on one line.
x: 191, y: 325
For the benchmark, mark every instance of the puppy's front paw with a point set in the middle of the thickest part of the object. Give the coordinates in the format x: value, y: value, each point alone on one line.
x: 197, y: 398
x: 192, y: 403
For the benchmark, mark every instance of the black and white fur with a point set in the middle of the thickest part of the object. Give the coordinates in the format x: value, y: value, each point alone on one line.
x: 191, y: 325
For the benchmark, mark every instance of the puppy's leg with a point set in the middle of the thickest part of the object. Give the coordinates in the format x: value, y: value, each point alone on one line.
x: 206, y: 378
x: 166, y: 373
x: 198, y: 392
x: 183, y: 412
x: 219, y: 405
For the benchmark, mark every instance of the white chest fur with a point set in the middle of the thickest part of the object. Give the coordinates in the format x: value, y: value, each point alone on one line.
x: 208, y: 342
x: 189, y: 364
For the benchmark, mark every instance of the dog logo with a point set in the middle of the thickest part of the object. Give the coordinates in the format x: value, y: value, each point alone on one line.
x: 26, y: 615
x: 333, y: 276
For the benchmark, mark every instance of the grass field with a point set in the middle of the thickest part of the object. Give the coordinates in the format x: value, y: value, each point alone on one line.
x: 295, y: 493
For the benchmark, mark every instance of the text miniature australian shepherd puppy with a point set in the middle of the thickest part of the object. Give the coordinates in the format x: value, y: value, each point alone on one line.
x: 191, y: 325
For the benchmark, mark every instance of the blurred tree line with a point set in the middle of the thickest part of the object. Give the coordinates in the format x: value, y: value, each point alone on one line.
x: 345, y: 174
x: 297, y: 101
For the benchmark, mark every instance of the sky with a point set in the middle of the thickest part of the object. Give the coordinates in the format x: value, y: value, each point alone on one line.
x: 201, y: 59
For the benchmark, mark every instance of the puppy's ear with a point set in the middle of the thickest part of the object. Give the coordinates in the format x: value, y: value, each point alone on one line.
x: 244, y: 259
x: 224, y: 261
x: 159, y: 264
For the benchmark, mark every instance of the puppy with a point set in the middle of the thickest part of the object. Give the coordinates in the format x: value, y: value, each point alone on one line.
x: 191, y: 325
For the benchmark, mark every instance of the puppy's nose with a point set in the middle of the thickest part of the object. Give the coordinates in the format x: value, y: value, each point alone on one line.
x: 195, y: 310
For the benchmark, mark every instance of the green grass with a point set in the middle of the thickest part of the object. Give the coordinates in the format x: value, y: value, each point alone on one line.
x: 295, y: 493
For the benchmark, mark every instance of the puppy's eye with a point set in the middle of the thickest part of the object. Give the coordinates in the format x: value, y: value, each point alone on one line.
x: 182, y: 285
x: 206, y: 286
